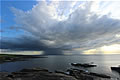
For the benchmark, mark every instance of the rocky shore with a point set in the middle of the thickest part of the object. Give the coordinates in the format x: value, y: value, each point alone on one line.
x: 44, y: 74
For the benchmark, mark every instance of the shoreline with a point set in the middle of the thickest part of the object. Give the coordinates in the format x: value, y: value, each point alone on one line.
x: 45, y: 74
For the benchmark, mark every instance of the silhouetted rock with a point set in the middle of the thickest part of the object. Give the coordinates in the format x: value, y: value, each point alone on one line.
x: 86, y: 65
x: 116, y: 69
x: 99, y: 75
x: 83, y: 75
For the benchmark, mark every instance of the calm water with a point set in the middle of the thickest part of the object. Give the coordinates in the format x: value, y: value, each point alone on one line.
x: 52, y: 63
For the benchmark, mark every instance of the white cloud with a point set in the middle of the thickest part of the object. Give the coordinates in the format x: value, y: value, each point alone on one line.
x: 110, y: 8
x: 117, y: 35
x: 60, y: 24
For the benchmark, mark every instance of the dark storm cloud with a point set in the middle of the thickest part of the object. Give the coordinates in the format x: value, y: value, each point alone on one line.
x: 28, y: 44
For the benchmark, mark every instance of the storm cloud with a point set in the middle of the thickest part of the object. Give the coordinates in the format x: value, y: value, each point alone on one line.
x: 53, y: 27
x: 26, y: 43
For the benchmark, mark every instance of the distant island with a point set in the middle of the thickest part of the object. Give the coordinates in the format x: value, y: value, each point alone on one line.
x: 11, y: 58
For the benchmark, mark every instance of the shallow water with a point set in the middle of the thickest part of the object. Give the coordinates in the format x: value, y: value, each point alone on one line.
x: 104, y: 62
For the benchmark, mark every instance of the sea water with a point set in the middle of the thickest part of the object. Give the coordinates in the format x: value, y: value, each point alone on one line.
x: 52, y: 63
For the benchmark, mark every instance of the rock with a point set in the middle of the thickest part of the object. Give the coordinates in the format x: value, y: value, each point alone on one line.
x: 44, y: 74
x: 35, y: 74
x: 3, y: 76
x: 79, y: 74
x: 83, y: 75
x: 99, y: 75
x: 86, y: 65
x: 11, y: 76
x: 116, y: 69
x: 62, y: 72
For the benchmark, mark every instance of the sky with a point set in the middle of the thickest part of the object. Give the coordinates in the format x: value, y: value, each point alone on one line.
x: 60, y: 27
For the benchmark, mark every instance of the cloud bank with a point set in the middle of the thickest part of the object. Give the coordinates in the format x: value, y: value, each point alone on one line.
x: 56, y: 26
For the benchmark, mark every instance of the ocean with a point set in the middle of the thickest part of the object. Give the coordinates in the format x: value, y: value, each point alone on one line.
x: 61, y: 62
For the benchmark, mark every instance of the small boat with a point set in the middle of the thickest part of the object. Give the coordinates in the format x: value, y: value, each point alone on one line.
x: 83, y: 65
x: 116, y: 69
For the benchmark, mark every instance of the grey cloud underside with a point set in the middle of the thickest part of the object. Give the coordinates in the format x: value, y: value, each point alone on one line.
x: 27, y: 44
x: 83, y: 29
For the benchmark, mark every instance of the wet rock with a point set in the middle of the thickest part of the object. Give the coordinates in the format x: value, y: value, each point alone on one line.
x: 35, y: 74
x: 86, y: 65
x: 62, y: 72
x: 99, y: 75
x: 83, y: 75
x: 3, y: 76
x: 79, y: 74
x: 44, y: 74
x: 116, y: 69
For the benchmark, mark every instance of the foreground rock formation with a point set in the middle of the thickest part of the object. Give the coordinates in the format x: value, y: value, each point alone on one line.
x: 35, y: 74
x: 44, y: 74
